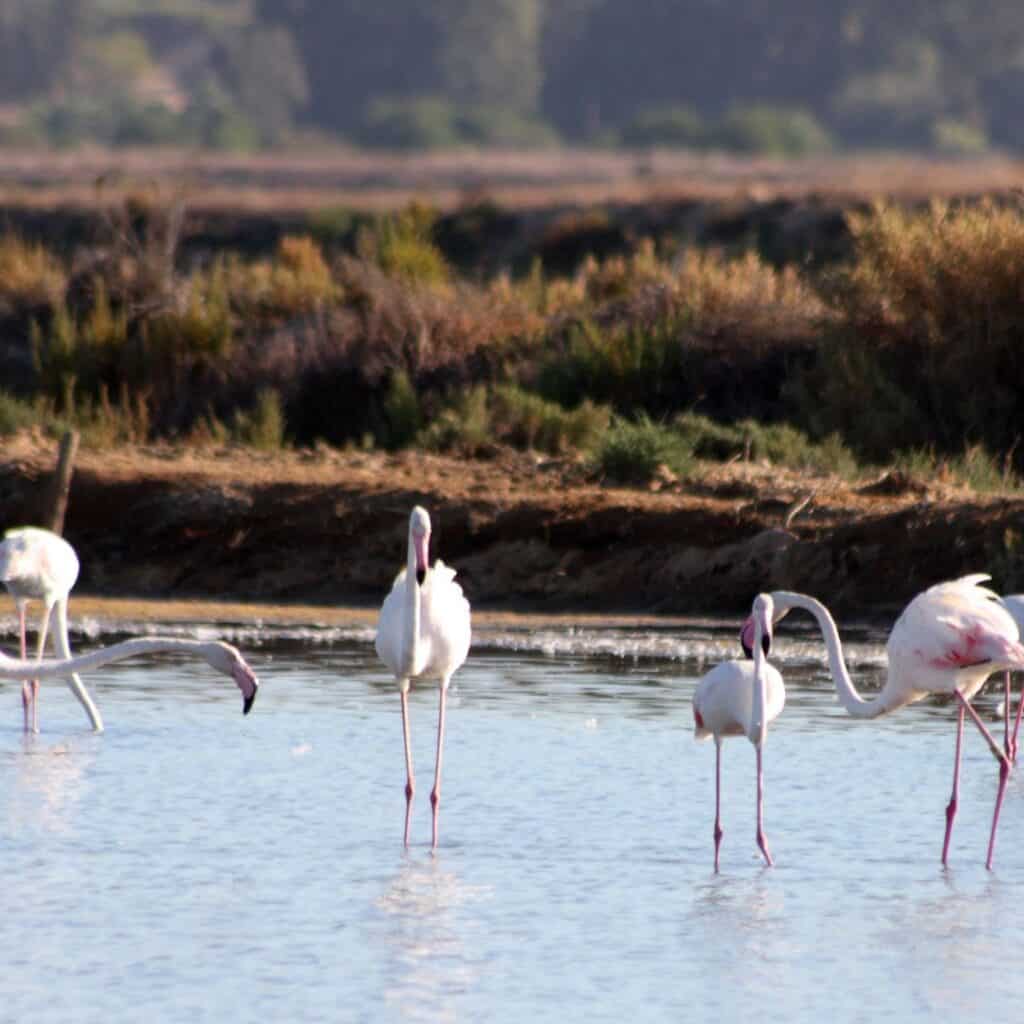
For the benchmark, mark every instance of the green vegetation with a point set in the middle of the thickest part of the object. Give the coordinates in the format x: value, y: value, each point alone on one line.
x: 637, y: 366
x: 785, y: 79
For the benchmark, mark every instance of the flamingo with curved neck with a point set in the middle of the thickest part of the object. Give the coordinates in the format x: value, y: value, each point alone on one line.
x: 949, y: 639
x: 739, y: 699
x: 218, y: 655
x: 423, y: 633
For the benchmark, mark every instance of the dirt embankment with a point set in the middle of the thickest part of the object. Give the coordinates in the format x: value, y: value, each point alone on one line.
x: 328, y: 527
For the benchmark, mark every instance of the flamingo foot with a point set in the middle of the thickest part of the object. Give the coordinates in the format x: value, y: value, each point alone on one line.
x: 718, y: 833
x: 762, y: 842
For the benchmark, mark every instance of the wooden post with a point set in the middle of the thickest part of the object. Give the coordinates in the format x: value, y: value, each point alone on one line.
x: 62, y: 480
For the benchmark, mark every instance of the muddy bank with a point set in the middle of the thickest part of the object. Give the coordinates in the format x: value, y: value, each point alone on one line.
x: 328, y: 527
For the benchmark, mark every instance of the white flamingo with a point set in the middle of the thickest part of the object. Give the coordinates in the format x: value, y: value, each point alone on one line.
x: 217, y: 654
x: 36, y: 564
x: 949, y: 639
x: 423, y: 633
x: 740, y: 698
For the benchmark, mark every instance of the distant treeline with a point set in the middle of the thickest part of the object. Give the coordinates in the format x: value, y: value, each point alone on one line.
x: 783, y: 77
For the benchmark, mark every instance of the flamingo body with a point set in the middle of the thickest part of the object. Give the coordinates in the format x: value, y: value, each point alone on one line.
x: 37, y: 565
x: 741, y: 698
x: 423, y: 633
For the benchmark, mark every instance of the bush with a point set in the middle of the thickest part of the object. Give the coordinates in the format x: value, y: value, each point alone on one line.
x: 426, y: 122
x: 401, y: 245
x: 402, y: 416
x: 29, y: 274
x: 665, y: 126
x: 633, y: 452
x: 263, y: 426
x: 526, y: 420
x: 772, y: 131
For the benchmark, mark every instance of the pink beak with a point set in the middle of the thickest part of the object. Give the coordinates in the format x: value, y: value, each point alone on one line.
x: 248, y: 684
x: 747, y: 637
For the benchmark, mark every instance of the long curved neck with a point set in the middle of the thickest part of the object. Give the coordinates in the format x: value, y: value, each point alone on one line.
x: 758, y: 723
x: 851, y: 700
x: 411, y: 616
x: 14, y: 668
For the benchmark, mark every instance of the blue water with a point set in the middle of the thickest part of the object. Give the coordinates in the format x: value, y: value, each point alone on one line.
x: 192, y: 864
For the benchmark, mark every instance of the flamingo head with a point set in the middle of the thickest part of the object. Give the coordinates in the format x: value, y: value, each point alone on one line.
x: 760, y: 615
x: 419, y: 541
x: 227, y: 659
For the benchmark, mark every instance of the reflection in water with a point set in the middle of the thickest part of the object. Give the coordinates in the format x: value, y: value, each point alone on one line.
x: 428, y: 938
x: 48, y: 784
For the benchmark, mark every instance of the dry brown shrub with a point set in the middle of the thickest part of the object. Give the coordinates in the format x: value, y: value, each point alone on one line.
x: 29, y: 274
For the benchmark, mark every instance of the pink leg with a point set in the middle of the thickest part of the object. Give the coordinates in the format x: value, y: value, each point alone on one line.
x: 410, y: 781
x: 435, y: 793
x: 951, y: 806
x: 762, y: 842
x: 718, y: 800
x: 26, y: 687
x: 997, y: 751
x: 1004, y: 775
x: 1016, y: 724
x: 1007, y: 745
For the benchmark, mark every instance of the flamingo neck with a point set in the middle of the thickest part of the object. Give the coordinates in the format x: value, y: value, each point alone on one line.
x: 851, y: 700
x: 13, y: 668
x: 758, y: 720
x: 411, y: 618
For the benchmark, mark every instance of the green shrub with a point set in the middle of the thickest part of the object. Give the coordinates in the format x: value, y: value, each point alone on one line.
x: 426, y: 122
x: 464, y: 426
x: 633, y: 452
x: 665, y: 126
x: 526, y: 420
x: 263, y: 427
x: 402, y: 417
x: 401, y: 245
x: 772, y: 131
x: 18, y: 414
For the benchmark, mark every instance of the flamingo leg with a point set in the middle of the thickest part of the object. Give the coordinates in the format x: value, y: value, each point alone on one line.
x: 993, y: 745
x: 1007, y: 745
x: 1004, y: 775
x: 435, y: 793
x: 718, y: 800
x: 1016, y: 724
x: 762, y: 841
x: 951, y: 806
x: 43, y: 628
x: 26, y: 689
x: 410, y: 781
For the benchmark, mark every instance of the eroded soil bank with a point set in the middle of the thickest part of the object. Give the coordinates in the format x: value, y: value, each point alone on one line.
x: 328, y: 527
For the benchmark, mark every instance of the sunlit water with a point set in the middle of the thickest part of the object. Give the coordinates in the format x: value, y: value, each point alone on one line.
x: 192, y: 864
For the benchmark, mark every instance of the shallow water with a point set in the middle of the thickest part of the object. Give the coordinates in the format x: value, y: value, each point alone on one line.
x: 194, y: 864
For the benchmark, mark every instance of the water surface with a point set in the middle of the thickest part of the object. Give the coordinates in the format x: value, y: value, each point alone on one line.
x: 193, y: 864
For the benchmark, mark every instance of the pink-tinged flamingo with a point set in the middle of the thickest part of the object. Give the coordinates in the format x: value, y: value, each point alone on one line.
x: 423, y: 633
x: 217, y: 654
x: 949, y: 639
x: 36, y: 564
x: 740, y: 698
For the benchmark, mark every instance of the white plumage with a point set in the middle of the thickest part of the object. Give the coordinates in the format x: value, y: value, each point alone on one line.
x: 423, y: 633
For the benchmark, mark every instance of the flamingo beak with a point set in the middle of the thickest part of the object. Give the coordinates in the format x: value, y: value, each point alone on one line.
x: 248, y: 684
x: 421, y: 543
x: 747, y: 637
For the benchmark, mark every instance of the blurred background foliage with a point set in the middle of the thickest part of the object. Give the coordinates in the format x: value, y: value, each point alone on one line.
x: 786, y: 78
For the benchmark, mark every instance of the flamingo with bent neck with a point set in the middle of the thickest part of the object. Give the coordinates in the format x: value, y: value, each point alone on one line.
x: 949, y: 639
x: 740, y: 698
x: 423, y: 633
x: 218, y: 655
x: 38, y: 565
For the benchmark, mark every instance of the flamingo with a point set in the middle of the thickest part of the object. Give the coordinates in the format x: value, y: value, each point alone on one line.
x: 738, y: 698
x: 217, y: 654
x: 36, y: 564
x: 423, y: 633
x: 949, y: 639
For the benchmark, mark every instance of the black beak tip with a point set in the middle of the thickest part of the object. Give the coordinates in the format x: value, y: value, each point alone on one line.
x: 747, y: 650
x: 421, y: 575
x: 766, y: 645
x: 249, y: 701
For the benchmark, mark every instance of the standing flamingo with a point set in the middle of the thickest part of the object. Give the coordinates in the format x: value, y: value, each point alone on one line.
x: 949, y: 639
x: 423, y: 632
x: 738, y: 698
x: 36, y: 564
x: 218, y: 655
